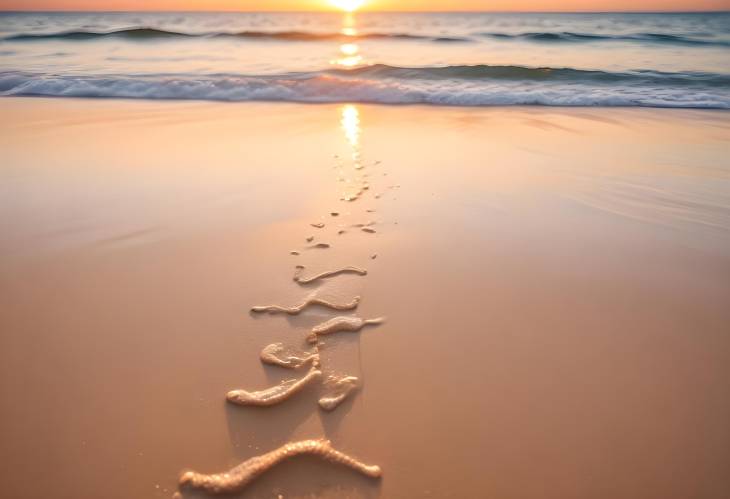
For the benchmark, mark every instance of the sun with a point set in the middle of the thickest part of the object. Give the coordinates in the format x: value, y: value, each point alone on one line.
x: 348, y: 5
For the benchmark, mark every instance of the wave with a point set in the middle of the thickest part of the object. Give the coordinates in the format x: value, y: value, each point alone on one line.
x: 451, y: 86
x: 568, y: 37
x: 543, y: 74
x: 155, y: 33
x: 148, y: 33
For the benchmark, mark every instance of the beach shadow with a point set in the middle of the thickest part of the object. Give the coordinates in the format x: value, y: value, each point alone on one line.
x: 256, y: 430
x: 331, y: 421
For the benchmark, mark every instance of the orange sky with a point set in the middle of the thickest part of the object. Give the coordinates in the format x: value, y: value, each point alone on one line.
x: 513, y: 5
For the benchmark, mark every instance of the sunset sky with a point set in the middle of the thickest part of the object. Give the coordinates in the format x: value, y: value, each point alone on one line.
x: 406, y: 5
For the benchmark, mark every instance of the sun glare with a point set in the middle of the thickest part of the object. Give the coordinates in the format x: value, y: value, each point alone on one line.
x: 349, y: 49
x: 348, y: 5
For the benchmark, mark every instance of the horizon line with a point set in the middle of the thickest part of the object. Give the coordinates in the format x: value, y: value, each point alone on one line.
x: 232, y: 11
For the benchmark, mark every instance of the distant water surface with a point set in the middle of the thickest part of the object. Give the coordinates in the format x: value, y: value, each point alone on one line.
x: 663, y: 60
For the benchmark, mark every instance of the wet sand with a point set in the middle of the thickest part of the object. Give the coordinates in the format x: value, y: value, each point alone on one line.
x: 555, y: 285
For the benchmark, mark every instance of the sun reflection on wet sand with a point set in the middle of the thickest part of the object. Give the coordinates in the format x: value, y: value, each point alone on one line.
x: 355, y: 182
x: 350, y: 122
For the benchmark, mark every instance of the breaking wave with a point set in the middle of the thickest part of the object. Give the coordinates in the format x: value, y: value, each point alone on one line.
x: 479, y: 85
x: 142, y: 34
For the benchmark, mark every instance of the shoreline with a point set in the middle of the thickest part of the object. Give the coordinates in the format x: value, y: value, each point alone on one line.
x: 369, y: 103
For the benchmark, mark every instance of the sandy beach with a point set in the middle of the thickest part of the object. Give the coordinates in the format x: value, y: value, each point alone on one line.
x: 555, y: 284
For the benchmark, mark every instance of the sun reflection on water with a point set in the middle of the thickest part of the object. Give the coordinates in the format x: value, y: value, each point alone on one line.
x: 350, y: 56
x: 349, y: 53
x: 349, y: 49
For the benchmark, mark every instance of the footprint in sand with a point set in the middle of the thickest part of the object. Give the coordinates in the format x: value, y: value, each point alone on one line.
x: 277, y: 309
x: 329, y: 273
x: 236, y: 479
x: 275, y: 394
x: 342, y: 323
x: 275, y: 355
x: 341, y: 388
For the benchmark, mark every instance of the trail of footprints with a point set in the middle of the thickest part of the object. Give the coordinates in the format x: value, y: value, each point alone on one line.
x: 280, y: 355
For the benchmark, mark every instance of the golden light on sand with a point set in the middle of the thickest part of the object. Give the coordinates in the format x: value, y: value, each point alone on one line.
x: 350, y: 122
x: 347, y: 5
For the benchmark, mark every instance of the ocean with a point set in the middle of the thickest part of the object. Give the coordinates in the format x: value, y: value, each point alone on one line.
x: 457, y: 59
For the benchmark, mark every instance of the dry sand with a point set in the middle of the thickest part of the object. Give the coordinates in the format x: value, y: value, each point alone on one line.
x: 556, y: 284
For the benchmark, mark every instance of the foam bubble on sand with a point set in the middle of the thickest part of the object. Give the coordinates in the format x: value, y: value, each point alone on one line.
x: 276, y: 309
x: 276, y: 355
x: 330, y: 273
x: 275, y: 394
x: 317, y: 225
x: 342, y: 323
x: 242, y: 475
x: 354, y: 195
x: 342, y: 387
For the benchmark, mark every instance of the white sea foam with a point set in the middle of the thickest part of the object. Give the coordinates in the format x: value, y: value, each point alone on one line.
x: 328, y: 87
